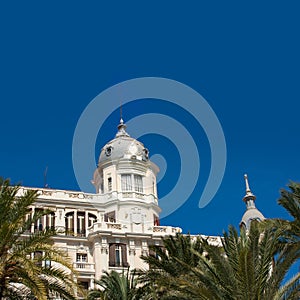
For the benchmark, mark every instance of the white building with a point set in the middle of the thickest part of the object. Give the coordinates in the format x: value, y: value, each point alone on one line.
x: 111, y: 229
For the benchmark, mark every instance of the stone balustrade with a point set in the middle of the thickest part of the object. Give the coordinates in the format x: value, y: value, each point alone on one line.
x: 45, y: 193
x: 84, y: 266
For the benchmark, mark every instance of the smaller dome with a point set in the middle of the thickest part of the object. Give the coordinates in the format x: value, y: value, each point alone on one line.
x: 123, y: 147
x: 250, y: 215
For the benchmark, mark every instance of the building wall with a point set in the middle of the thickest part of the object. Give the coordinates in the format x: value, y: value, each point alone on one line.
x: 89, y: 243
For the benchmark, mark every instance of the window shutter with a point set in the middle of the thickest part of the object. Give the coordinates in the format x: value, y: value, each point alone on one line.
x: 112, y: 255
x: 124, y: 255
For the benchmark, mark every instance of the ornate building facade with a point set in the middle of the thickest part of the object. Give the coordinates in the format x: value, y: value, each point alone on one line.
x: 111, y: 229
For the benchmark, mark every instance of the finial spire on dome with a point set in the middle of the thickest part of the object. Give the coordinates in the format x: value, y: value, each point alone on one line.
x: 249, y: 196
x: 122, y: 129
x: 247, y: 183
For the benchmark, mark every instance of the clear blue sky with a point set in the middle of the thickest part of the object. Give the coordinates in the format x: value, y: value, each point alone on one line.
x: 243, y: 58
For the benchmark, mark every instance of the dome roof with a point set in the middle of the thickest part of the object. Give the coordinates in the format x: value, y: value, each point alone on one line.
x: 123, y: 147
x: 251, y: 214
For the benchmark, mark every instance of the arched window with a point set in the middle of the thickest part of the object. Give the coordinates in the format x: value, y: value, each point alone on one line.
x: 91, y: 219
x: 243, y: 226
x: 81, y: 224
x: 38, y: 224
x: 50, y: 221
x: 69, y: 223
x: 44, y: 222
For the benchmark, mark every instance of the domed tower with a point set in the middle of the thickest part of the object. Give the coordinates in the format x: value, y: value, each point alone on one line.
x: 252, y: 213
x: 126, y: 178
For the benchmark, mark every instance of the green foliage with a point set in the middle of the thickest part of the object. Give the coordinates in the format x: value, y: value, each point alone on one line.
x: 116, y: 286
x: 22, y: 273
x: 245, y: 266
x: 248, y: 265
x: 167, y: 264
x: 179, y: 247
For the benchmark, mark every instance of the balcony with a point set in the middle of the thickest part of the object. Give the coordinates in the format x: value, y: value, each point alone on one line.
x: 84, y: 267
x: 166, y: 230
x: 105, y: 226
x: 126, y: 228
x: 95, y: 199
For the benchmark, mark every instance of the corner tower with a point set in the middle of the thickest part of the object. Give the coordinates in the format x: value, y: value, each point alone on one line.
x: 124, y: 166
x: 125, y: 177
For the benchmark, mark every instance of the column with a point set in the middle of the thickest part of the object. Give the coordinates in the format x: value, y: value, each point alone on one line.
x: 60, y: 224
x: 75, y: 222
x: 92, y: 284
x: 86, y: 222
x: 32, y: 214
x: 131, y: 252
x: 44, y: 222
x: 97, y: 258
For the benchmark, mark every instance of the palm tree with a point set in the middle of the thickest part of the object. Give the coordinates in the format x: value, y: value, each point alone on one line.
x: 290, y: 200
x: 244, y: 267
x: 179, y: 247
x: 116, y: 286
x: 168, y: 263
x: 30, y: 267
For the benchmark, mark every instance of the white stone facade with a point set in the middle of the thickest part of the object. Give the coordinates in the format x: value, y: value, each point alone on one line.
x: 94, y: 242
x: 111, y: 229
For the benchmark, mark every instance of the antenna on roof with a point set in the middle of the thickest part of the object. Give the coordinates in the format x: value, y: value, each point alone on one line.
x: 121, y: 110
x: 45, y: 178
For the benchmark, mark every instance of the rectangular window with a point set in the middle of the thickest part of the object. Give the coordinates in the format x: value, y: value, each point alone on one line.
x: 138, y: 183
x: 110, y: 217
x: 126, y: 182
x: 118, y: 255
x: 81, y: 257
x: 81, y: 260
x: 109, y: 181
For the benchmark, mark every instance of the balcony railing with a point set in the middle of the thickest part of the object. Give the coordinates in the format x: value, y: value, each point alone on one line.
x: 84, y: 266
x: 159, y: 229
x: 93, y: 198
x: 120, y: 227
x: 115, y: 226
x: 166, y: 229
